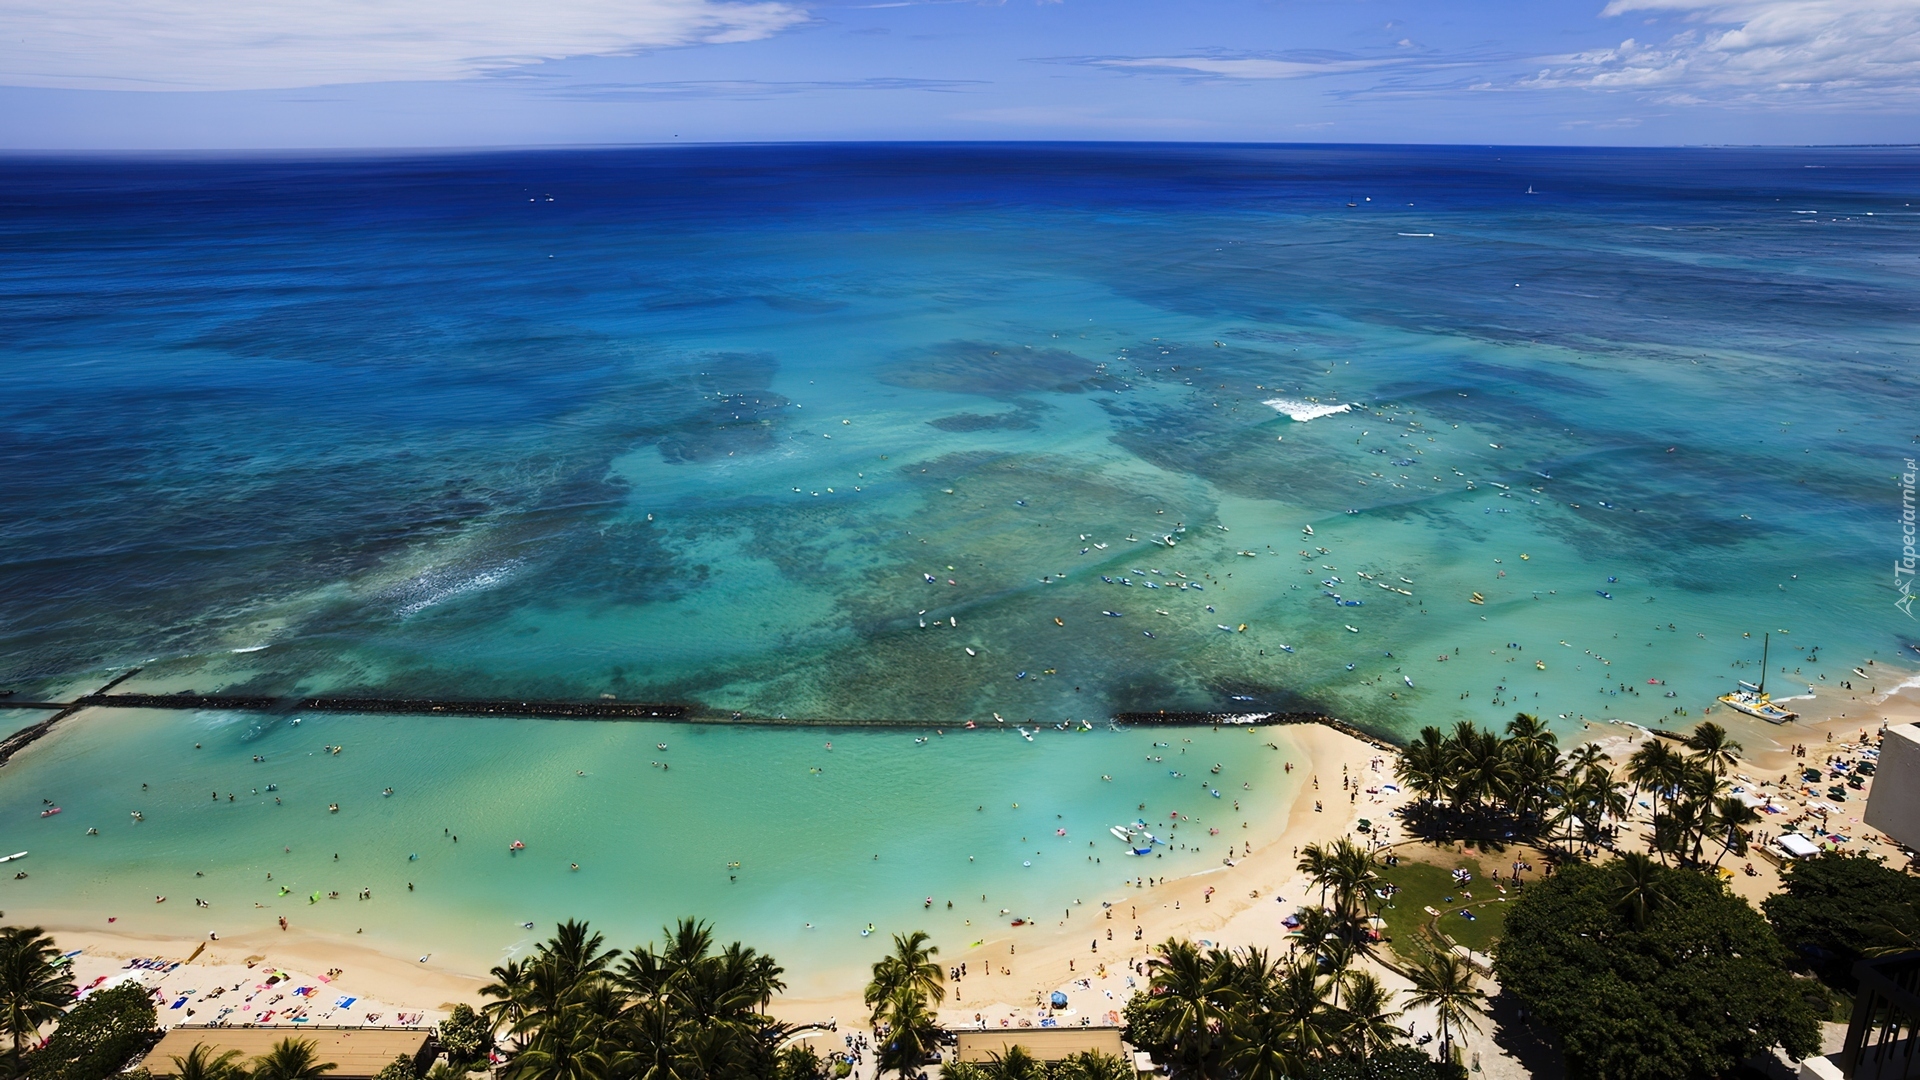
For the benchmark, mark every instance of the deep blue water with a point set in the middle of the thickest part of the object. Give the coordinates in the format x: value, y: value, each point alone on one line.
x: 571, y: 422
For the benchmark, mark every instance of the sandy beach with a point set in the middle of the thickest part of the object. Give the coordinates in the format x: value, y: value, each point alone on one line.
x: 1090, y: 952
x: 270, y: 978
x: 226, y: 980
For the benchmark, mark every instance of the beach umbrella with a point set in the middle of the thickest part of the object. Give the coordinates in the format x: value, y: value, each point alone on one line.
x: 1059, y: 1000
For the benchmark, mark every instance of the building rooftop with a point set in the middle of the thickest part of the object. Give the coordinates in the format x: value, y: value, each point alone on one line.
x: 357, y: 1053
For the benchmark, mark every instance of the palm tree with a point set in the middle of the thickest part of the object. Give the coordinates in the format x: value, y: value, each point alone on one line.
x: 575, y: 953
x: 1191, y: 991
x: 1481, y: 768
x: 1732, y: 816
x: 1264, y: 1048
x: 1445, y: 981
x: 1584, y: 757
x: 1595, y: 798
x: 509, y: 991
x: 1655, y: 768
x: 909, y: 967
x: 1090, y: 1065
x: 1638, y: 894
x: 290, y: 1059
x: 200, y: 1064
x: 1425, y: 765
x: 34, y: 989
x: 1297, y: 1003
x: 1313, y: 862
x: 912, y: 1031
x: 1713, y: 748
x: 570, y: 1047
x: 1526, y: 729
x: 1367, y: 1019
x: 1317, y: 927
x: 1016, y: 1064
x: 1536, y: 773
x: 1349, y: 869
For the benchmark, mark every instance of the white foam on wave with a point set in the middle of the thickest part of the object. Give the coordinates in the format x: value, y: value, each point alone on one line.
x: 437, y: 586
x: 1303, y: 411
x: 250, y: 648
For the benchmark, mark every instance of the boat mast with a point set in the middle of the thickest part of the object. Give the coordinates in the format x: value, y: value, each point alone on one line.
x: 1765, y: 640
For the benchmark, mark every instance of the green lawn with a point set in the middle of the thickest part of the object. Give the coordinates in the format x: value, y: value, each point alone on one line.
x: 1430, y: 884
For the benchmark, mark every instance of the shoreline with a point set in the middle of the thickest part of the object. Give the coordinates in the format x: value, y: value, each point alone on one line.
x: 1226, y: 904
x: 1044, y: 951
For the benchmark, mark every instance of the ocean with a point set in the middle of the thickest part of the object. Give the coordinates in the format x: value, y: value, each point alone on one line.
x: 898, y: 432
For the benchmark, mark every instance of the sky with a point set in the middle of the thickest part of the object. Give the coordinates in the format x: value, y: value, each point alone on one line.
x: 290, y: 74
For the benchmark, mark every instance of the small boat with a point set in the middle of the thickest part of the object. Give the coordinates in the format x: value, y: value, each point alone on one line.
x: 1408, y: 679
x: 1111, y: 614
x: 1603, y: 594
x: 970, y: 651
x: 1753, y: 699
x: 1195, y: 585
x: 1476, y: 598
x: 1057, y: 621
x: 1143, y: 851
x: 50, y: 811
x: 1351, y: 629
x: 1286, y: 648
x: 15, y: 855
x: 1225, y: 627
x: 1307, y: 529
x: 1121, y: 834
x: 1242, y: 629
x: 1025, y: 734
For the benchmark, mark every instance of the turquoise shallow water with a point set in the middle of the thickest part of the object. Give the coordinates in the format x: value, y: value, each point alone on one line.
x: 698, y: 426
x: 803, y: 823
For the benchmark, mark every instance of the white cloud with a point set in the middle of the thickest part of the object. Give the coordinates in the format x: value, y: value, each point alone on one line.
x: 1238, y: 67
x: 1081, y: 116
x: 266, y: 44
x: 1758, y: 50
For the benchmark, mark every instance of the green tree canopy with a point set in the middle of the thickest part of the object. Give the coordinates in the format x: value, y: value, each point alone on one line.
x: 1835, y: 908
x: 1701, y: 986
x: 97, y: 1037
x: 34, y: 990
x: 465, y: 1034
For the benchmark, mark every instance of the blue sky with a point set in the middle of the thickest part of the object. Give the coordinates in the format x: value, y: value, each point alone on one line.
x: 259, y: 74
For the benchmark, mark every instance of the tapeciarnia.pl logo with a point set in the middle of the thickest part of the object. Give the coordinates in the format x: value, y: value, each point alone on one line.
x: 1903, y: 567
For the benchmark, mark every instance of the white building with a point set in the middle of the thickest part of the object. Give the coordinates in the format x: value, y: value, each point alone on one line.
x: 1894, y: 805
